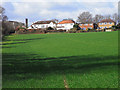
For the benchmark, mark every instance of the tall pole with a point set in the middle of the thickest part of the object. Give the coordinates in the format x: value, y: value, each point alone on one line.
x: 26, y: 22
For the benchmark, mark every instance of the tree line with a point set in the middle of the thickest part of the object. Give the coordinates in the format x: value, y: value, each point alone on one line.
x: 7, y: 27
x: 87, y: 17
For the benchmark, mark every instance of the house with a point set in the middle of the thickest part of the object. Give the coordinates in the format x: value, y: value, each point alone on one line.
x: 16, y: 24
x: 11, y: 26
x: 106, y: 23
x: 43, y: 24
x: 65, y: 24
x: 85, y: 26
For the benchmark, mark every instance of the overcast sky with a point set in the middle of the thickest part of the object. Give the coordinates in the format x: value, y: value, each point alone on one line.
x: 35, y: 10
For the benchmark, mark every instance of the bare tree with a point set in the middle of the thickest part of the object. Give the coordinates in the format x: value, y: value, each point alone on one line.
x: 107, y: 16
x: 3, y: 23
x: 97, y: 18
x: 115, y: 17
x: 85, y: 17
x: 3, y: 17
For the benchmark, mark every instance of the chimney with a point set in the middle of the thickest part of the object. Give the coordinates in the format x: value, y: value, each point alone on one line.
x: 26, y: 22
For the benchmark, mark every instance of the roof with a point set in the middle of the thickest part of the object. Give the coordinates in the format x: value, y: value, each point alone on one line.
x: 66, y: 21
x: 16, y: 22
x: 60, y: 26
x: 106, y: 20
x: 44, y: 22
x: 86, y: 23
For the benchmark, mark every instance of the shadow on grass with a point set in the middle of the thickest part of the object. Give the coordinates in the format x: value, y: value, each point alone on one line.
x: 13, y: 43
x: 18, y: 41
x: 8, y: 46
x: 28, y: 39
x: 27, y: 64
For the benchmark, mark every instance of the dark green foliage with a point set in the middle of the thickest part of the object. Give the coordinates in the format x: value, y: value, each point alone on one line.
x: 50, y: 28
x: 95, y: 26
x: 76, y: 26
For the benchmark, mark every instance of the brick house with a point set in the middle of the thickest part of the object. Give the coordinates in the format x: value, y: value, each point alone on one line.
x: 106, y: 23
x: 85, y: 26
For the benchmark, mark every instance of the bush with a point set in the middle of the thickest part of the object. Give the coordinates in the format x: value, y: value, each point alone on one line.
x: 73, y: 29
x: 114, y: 27
x: 76, y: 26
x: 50, y: 28
x: 91, y: 30
x: 70, y: 31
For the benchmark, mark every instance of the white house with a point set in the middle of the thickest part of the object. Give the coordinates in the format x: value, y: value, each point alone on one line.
x: 43, y: 24
x: 65, y: 25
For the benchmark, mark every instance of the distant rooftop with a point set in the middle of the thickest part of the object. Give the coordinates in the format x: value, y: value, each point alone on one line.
x: 66, y: 21
x: 106, y: 20
x: 44, y: 22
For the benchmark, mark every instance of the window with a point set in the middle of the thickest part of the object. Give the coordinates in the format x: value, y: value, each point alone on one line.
x: 110, y: 23
x: 42, y: 26
x: 80, y: 24
x: 35, y: 26
x: 100, y: 23
x: 105, y: 23
x: 90, y: 27
x: 84, y: 28
x: 91, y: 24
x: 86, y: 24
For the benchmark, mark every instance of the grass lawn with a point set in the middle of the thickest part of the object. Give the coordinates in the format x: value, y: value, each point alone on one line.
x: 83, y: 60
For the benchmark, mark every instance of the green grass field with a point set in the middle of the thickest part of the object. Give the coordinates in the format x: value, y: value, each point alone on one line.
x: 83, y: 60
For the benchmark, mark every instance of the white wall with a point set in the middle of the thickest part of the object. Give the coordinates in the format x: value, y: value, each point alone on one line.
x: 66, y: 26
x: 35, y: 26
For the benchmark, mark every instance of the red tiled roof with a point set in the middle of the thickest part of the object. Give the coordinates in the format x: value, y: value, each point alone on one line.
x: 66, y: 21
x: 106, y: 20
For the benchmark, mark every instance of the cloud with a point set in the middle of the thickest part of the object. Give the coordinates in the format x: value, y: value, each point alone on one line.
x: 60, y: 9
x: 60, y: 0
x: 25, y: 9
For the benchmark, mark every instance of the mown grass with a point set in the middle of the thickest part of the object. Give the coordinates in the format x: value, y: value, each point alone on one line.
x: 87, y: 60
